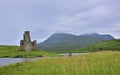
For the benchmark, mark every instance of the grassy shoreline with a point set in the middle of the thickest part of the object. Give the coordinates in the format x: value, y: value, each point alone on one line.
x: 14, y: 52
x: 97, y: 63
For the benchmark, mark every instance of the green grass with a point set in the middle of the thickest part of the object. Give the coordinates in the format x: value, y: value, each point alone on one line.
x: 13, y: 51
x: 97, y: 63
x: 113, y: 45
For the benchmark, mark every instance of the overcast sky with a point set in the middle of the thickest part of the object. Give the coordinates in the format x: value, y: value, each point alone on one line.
x: 45, y: 17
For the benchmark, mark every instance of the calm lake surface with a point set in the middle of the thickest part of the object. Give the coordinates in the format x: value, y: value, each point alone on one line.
x: 7, y: 61
x: 67, y: 54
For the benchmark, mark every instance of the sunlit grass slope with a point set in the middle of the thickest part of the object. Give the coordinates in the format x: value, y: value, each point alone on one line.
x: 98, y: 63
x: 13, y: 51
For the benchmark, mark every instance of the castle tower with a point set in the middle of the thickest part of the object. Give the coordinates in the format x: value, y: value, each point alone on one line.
x: 26, y: 44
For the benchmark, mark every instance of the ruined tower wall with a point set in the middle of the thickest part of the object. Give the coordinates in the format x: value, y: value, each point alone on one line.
x: 27, y: 36
x: 34, y: 44
x: 26, y: 44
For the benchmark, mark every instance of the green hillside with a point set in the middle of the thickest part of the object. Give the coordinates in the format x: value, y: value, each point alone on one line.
x: 13, y: 51
x: 104, y: 45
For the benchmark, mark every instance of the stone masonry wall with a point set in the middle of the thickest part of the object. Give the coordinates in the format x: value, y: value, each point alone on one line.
x: 26, y: 44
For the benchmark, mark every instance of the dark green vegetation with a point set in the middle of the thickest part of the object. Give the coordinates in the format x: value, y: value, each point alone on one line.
x: 13, y: 51
x: 61, y: 42
x: 98, y: 63
x: 113, y: 45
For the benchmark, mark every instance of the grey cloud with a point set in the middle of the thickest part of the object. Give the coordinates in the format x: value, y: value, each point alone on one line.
x: 45, y: 17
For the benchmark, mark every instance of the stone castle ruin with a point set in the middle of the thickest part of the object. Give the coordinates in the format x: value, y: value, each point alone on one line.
x: 26, y: 44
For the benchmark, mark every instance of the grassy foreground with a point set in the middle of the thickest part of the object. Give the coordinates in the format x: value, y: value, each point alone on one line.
x: 98, y: 63
x: 14, y: 52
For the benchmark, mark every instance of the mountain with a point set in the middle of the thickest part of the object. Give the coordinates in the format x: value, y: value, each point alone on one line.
x: 62, y: 41
x: 105, y: 37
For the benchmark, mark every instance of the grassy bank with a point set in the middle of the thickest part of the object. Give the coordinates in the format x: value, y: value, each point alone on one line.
x: 98, y: 63
x: 13, y: 51
x: 110, y: 45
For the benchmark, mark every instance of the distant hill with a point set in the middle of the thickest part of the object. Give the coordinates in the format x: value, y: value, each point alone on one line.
x: 62, y: 41
x: 113, y: 45
x: 95, y: 35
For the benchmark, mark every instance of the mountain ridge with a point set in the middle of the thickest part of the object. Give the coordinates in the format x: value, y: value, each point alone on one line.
x: 64, y: 41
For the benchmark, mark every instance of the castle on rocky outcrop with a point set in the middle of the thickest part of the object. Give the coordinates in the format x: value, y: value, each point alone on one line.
x: 26, y: 44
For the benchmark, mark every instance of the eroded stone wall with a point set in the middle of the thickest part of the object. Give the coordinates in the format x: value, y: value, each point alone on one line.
x: 26, y: 44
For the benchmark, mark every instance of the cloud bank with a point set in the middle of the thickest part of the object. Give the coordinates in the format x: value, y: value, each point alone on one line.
x: 45, y: 17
